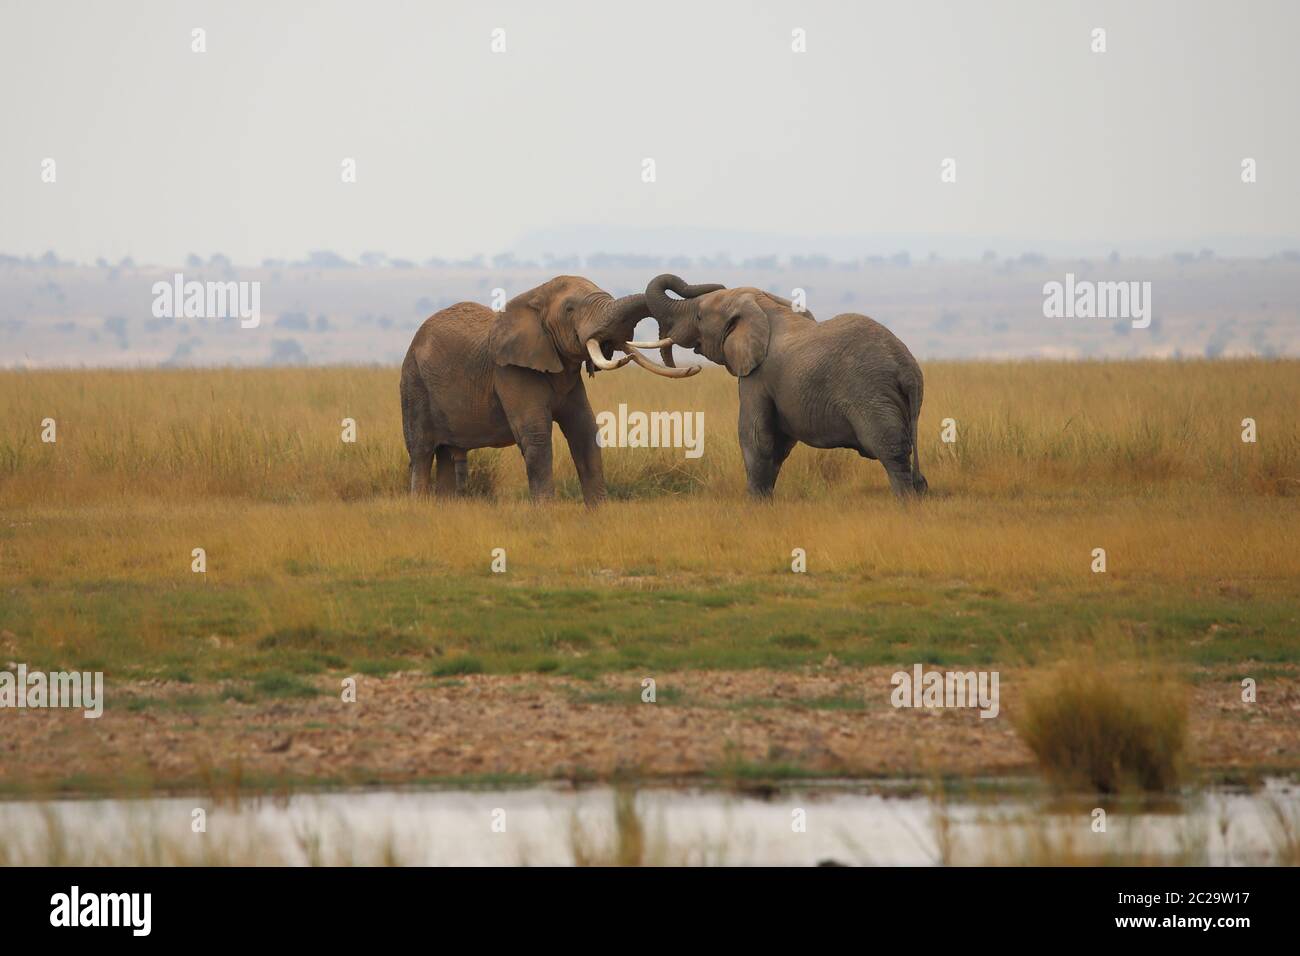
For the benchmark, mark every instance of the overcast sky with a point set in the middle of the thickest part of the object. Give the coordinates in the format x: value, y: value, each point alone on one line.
x: 161, y: 151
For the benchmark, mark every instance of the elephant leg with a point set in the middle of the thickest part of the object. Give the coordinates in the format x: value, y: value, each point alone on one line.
x: 417, y: 427
x: 578, y: 423
x: 885, y: 434
x: 763, y: 467
x: 446, y: 476
x: 461, y: 457
x: 535, y: 443
x: 762, y: 444
x: 421, y: 464
x: 533, y: 436
x: 526, y: 397
x: 900, y: 481
x: 419, y: 446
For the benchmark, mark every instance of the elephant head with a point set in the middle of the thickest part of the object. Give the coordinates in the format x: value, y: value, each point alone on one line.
x: 678, y: 318
x: 729, y: 326
x: 569, y: 321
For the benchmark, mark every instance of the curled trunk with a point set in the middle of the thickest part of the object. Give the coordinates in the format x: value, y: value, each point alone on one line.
x: 630, y: 308
x: 671, y: 311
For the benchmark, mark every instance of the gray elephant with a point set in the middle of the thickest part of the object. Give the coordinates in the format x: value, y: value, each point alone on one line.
x: 476, y: 379
x: 845, y: 383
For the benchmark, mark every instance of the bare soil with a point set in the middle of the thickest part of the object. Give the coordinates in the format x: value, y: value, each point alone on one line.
x: 410, y: 728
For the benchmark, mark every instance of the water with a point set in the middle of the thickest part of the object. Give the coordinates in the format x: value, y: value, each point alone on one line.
x: 560, y: 825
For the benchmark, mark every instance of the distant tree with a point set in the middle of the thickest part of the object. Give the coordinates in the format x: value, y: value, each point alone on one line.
x: 183, y: 352
x: 297, y: 321
x: 115, y: 325
x: 325, y: 259
x: 287, y: 352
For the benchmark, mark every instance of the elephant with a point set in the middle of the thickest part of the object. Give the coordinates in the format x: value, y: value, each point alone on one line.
x: 845, y: 383
x: 473, y: 378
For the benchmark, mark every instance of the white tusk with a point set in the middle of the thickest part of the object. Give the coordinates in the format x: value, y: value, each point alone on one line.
x: 593, y: 349
x: 651, y: 345
x: 650, y: 366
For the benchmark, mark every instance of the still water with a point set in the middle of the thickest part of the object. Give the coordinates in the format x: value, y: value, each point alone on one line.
x: 799, y: 826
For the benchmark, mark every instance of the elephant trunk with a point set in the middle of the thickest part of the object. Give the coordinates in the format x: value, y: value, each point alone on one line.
x: 622, y: 316
x: 630, y: 309
x: 675, y: 310
x: 673, y: 314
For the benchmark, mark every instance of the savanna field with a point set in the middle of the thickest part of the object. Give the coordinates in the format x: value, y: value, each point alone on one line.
x: 320, y: 568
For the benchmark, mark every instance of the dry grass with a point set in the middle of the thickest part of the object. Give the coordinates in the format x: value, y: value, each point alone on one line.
x: 1144, y: 459
x: 306, y: 535
x: 1025, y: 430
x: 1206, y: 540
x: 1105, y: 723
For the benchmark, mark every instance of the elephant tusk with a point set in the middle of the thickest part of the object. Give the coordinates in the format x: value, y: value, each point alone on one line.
x: 651, y: 345
x: 598, y: 360
x: 650, y: 366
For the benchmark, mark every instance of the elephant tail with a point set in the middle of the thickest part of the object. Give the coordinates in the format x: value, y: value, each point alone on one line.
x: 913, y: 389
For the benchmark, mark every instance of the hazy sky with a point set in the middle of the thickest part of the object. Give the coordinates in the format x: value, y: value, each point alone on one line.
x: 161, y: 151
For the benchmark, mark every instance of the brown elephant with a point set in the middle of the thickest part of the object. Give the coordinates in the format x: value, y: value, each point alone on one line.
x: 844, y: 383
x: 474, y: 378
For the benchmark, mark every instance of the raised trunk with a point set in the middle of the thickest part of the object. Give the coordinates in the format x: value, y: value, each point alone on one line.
x: 630, y: 309
x: 671, y: 311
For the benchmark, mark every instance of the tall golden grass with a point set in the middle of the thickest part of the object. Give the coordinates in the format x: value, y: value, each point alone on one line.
x: 1072, y: 429
x: 1052, y: 460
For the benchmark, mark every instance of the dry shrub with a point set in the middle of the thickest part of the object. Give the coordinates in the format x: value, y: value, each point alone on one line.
x: 1106, y: 726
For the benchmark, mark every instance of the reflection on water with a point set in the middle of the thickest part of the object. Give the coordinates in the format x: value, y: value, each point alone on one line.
x: 799, y: 826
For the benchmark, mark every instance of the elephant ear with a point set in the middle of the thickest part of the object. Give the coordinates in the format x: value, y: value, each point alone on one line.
x: 744, y: 344
x: 519, y: 338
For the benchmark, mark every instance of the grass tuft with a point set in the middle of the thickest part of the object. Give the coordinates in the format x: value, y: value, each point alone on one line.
x: 1108, y: 727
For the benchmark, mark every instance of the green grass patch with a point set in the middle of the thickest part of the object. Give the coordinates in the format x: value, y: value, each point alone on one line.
x: 449, y: 625
x: 283, y: 685
x: 463, y: 664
